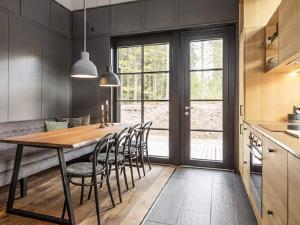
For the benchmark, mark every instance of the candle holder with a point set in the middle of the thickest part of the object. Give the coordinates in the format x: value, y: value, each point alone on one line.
x: 102, y: 124
x: 106, y: 115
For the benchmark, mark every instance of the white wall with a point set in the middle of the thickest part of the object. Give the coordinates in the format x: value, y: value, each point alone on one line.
x: 78, y: 4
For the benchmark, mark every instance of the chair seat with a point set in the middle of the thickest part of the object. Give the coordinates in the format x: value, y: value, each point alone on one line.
x: 111, y: 157
x: 83, y: 169
x: 143, y: 144
x: 133, y: 150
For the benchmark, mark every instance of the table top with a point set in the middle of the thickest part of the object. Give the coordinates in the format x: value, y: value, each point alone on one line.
x: 66, y: 138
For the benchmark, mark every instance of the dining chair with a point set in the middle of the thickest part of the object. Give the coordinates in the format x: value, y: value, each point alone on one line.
x: 93, y: 170
x: 116, y: 158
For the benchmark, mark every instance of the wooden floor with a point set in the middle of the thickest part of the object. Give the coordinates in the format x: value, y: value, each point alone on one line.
x: 45, y: 195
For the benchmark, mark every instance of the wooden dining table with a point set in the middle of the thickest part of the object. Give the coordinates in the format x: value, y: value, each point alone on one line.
x: 54, y: 140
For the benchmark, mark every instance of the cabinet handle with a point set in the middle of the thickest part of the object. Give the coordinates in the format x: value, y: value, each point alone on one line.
x: 269, y: 212
x: 241, y: 129
x: 270, y: 150
x: 241, y: 110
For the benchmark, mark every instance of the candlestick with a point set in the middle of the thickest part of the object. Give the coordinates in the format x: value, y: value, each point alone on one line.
x: 102, y: 125
x: 106, y: 114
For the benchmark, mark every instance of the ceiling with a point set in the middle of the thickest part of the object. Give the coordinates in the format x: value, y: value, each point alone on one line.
x: 78, y: 4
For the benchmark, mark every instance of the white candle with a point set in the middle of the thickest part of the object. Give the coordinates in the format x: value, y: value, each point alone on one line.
x: 106, y: 102
x: 102, y: 107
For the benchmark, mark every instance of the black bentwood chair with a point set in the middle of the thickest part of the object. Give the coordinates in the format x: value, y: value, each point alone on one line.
x: 93, y: 170
x: 142, y: 143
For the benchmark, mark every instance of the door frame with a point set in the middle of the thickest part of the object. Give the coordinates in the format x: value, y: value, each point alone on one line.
x: 229, y: 74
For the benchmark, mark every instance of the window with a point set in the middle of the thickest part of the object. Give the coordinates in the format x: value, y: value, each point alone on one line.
x: 144, y: 93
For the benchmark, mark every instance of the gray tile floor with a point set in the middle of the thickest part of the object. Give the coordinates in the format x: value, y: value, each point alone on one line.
x: 202, y: 197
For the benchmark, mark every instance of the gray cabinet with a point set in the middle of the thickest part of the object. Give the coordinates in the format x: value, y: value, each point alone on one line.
x: 201, y: 12
x: 3, y: 67
x: 36, y: 10
x: 128, y: 17
x: 12, y: 5
x: 54, y: 76
x: 98, y: 21
x: 24, y: 70
x: 77, y: 23
x: 60, y: 19
x: 161, y: 14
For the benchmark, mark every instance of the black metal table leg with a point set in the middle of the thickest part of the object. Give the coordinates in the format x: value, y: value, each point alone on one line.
x: 12, y: 192
x: 14, y: 178
x: 66, y: 185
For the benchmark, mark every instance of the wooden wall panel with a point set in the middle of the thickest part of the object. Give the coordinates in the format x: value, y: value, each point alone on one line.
x: 24, y: 70
x: 54, y: 76
x: 3, y: 67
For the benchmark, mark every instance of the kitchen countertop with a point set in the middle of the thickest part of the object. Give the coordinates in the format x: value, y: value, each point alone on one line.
x: 286, y: 141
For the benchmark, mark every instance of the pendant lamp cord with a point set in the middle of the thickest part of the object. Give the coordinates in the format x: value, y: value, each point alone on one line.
x: 84, y: 26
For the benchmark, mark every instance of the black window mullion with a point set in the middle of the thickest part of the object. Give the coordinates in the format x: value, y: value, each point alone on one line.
x: 142, y: 86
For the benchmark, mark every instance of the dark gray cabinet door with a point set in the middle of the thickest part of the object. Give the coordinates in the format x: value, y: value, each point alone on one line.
x: 128, y: 17
x: 202, y: 12
x: 24, y: 70
x: 54, y: 76
x: 77, y: 23
x: 161, y: 14
x: 12, y: 5
x: 98, y: 21
x: 3, y: 67
x: 36, y: 10
x: 60, y: 19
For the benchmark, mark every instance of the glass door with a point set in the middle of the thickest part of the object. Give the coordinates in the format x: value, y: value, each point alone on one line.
x: 144, y: 71
x: 206, y: 105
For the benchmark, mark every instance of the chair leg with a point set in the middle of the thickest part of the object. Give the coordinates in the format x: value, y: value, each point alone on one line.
x: 142, y: 160
x: 102, y: 177
x: 96, y: 199
x: 90, y: 191
x: 125, y: 176
x: 110, y: 192
x: 23, y: 187
x: 131, y: 171
x: 82, y: 190
x: 118, y: 180
x: 148, y: 159
x: 64, y: 210
x: 138, y: 166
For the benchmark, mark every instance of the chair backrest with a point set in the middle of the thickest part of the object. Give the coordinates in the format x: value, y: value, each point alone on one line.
x: 146, y: 130
x: 122, y: 140
x: 104, y: 146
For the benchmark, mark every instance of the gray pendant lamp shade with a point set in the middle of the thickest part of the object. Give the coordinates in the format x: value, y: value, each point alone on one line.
x: 109, y: 79
x: 84, y: 68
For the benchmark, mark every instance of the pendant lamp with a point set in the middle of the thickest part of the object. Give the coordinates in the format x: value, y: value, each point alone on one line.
x: 109, y: 78
x: 84, y: 68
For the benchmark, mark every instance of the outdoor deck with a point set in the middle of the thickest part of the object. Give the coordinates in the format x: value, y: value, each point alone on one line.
x: 201, y: 149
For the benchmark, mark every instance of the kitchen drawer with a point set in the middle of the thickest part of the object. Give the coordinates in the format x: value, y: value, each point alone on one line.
x: 274, y: 183
x: 294, y: 190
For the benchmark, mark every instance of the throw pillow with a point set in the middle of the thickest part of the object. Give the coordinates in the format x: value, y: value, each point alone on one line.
x: 50, y: 126
x: 86, y: 120
x: 72, y: 122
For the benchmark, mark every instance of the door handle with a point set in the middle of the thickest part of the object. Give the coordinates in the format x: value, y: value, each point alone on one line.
x: 188, y: 108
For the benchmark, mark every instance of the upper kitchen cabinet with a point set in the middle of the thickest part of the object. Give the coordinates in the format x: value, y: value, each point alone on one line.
x: 60, y: 19
x: 192, y: 12
x: 98, y: 21
x: 37, y: 11
x: 128, y: 17
x: 77, y: 23
x: 289, y: 31
x: 161, y: 14
x: 12, y: 5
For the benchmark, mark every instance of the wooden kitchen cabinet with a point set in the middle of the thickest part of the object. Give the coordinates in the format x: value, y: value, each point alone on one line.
x: 275, y: 193
x: 246, y: 159
x: 294, y: 190
x: 289, y: 30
